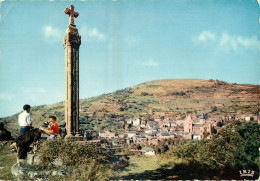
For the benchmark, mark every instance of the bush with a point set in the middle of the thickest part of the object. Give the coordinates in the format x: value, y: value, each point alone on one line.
x: 234, y: 148
x: 90, y: 162
x: 144, y: 94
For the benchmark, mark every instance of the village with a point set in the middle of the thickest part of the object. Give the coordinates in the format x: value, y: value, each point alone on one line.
x: 160, y: 129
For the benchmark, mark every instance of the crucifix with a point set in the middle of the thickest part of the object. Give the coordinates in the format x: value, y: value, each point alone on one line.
x: 70, y: 11
x: 72, y: 41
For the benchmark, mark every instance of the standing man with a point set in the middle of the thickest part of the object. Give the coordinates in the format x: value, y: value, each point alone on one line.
x: 24, y: 120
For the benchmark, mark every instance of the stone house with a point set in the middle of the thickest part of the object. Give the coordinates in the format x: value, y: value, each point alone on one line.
x: 164, y: 135
x: 132, y: 140
x: 136, y: 122
x: 112, y: 134
x: 129, y: 121
x: 179, y: 120
x: 249, y: 117
x: 202, y: 121
x: 107, y: 134
x: 143, y: 126
x: 151, y: 124
x: 115, y: 143
x: 172, y: 119
x: 121, y: 135
x: 165, y: 129
x: 148, y: 131
x: 155, y: 129
x: 196, y: 136
x: 149, y: 152
x: 172, y: 124
x: 131, y: 134
x: 180, y: 133
x: 135, y: 152
x: 198, y: 129
x: 172, y: 129
x: 101, y: 134
x: 141, y: 139
x: 162, y: 124
x: 150, y: 136
x: 153, y: 141
x: 158, y: 119
x: 121, y: 123
x: 179, y: 128
x: 187, y: 136
x: 208, y: 128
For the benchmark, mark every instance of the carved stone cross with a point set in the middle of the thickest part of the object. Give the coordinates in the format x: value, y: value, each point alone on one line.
x: 70, y: 11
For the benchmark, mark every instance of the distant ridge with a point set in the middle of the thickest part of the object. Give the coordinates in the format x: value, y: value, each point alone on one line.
x: 165, y: 97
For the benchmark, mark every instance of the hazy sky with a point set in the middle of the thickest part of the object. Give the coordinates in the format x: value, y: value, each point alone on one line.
x: 124, y: 43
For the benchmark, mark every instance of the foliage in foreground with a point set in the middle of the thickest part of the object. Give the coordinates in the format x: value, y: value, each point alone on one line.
x: 234, y: 148
x: 85, y: 161
x: 7, y: 160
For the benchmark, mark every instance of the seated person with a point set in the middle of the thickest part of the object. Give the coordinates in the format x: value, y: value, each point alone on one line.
x: 53, y: 131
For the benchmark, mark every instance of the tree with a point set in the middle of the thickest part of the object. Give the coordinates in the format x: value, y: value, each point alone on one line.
x: 138, y: 147
x: 144, y: 94
x: 220, y: 124
x: 233, y: 148
x: 214, y: 108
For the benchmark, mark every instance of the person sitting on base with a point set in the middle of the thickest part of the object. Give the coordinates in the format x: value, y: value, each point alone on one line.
x: 54, y: 129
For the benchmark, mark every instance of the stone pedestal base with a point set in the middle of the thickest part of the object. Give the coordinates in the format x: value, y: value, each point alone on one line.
x: 77, y: 137
x: 33, y: 159
x: 28, y: 172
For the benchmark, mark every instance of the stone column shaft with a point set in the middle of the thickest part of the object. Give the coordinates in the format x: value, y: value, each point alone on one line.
x: 72, y: 41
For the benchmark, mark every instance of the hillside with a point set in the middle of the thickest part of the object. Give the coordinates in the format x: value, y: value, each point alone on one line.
x: 167, y: 97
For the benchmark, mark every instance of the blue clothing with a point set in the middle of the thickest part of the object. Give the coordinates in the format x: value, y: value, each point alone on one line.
x: 52, y: 136
x: 24, y: 130
x: 25, y: 149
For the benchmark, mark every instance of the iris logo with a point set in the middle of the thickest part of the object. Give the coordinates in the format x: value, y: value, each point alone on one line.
x: 247, y: 173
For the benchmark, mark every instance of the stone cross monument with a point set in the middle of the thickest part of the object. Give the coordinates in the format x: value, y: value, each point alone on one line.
x: 72, y: 41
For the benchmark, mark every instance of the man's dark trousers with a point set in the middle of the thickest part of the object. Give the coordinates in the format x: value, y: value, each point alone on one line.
x: 24, y: 129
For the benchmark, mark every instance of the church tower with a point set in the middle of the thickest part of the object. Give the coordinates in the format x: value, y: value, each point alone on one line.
x: 188, y: 124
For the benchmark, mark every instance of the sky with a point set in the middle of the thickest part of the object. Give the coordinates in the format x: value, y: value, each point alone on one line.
x: 124, y: 43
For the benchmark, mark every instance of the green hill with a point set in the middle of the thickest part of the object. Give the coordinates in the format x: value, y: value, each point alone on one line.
x: 167, y: 97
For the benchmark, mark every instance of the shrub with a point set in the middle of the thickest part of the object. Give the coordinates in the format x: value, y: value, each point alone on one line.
x: 144, y: 94
x: 234, y: 148
x: 90, y: 162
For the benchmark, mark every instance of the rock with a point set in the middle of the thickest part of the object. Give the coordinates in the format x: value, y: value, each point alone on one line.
x: 28, y: 172
x: 30, y: 158
x: 54, y: 173
x: 63, y: 172
x: 15, y: 170
x: 31, y: 174
x: 39, y: 179
x: 19, y: 171
x: 33, y: 159
x: 37, y: 160
x: 57, y: 162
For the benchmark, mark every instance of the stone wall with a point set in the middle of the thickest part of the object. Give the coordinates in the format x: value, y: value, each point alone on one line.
x: 30, y: 170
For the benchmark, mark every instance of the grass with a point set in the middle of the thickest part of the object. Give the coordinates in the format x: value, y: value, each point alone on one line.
x: 162, y: 168
x: 7, y: 160
x: 139, y: 165
x: 140, y: 168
